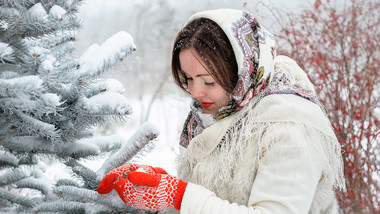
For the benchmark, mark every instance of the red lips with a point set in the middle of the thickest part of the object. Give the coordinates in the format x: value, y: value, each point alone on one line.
x: 206, y: 104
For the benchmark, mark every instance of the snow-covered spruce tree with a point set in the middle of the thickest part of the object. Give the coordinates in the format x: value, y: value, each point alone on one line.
x: 50, y: 103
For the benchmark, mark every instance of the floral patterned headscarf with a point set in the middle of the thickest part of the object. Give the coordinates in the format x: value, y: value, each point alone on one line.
x: 254, y: 50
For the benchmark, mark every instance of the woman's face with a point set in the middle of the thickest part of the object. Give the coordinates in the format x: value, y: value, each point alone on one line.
x: 201, y: 84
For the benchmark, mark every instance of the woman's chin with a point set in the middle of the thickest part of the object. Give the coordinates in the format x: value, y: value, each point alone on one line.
x: 208, y: 111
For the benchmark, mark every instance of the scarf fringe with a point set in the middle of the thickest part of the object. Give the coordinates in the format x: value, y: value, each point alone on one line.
x: 218, y: 169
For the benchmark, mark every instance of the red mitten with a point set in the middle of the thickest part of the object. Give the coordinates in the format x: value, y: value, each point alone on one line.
x: 153, y: 191
x: 107, y: 183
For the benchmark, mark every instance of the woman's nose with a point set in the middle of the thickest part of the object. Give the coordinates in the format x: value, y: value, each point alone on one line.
x: 196, y: 90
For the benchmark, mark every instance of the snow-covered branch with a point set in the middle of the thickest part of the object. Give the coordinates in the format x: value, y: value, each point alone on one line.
x: 7, y: 158
x: 25, y: 84
x: 145, y: 134
x: 97, y: 58
x: 112, y: 202
x: 16, y: 198
x: 10, y: 176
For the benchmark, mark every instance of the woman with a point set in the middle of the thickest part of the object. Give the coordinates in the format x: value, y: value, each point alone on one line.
x: 256, y: 139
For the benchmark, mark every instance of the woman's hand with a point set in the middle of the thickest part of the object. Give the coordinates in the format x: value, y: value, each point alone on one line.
x: 151, y: 191
x: 108, y: 182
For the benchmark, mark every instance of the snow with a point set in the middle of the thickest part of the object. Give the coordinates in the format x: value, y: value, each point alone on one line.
x: 108, y: 100
x: 40, y: 179
x: 68, y: 3
x: 25, y: 82
x: 51, y: 100
x: 46, y: 66
x: 57, y: 12
x: 115, y: 86
x: 38, y: 13
x: 90, y: 53
x: 57, y: 171
x: 6, y: 157
x: 38, y: 52
x: 121, y: 40
x: 114, y: 48
x: 35, y: 144
x: 104, y: 142
x: 81, y: 149
x: 119, y: 43
x: 5, y: 50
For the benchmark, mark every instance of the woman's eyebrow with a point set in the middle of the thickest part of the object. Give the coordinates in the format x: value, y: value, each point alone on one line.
x: 199, y: 75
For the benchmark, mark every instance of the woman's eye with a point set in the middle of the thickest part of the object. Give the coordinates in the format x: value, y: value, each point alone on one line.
x: 189, y: 78
x: 209, y: 83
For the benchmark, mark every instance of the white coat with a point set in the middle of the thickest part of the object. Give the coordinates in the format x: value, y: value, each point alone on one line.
x: 278, y: 156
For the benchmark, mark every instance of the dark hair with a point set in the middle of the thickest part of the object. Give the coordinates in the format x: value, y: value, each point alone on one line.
x: 212, y: 44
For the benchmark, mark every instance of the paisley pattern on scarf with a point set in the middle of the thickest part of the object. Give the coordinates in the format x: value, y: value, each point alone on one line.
x: 258, y: 48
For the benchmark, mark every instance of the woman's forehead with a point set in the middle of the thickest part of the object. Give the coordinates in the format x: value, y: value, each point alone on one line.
x: 191, y: 63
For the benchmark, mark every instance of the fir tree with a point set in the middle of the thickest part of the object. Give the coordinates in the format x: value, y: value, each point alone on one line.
x: 50, y: 103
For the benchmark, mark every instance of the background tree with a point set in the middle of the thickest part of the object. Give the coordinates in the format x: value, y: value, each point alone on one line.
x: 152, y: 38
x: 50, y: 104
x: 337, y: 44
